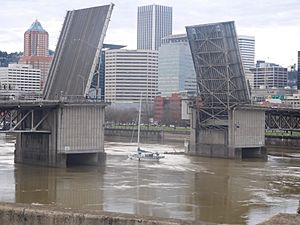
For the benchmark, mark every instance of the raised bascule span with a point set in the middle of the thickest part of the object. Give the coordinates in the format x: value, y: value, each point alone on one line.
x: 223, y: 124
x: 77, y: 53
x: 64, y: 127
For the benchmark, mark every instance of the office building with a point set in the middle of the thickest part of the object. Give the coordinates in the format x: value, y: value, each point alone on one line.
x: 247, y: 51
x: 176, y: 71
x: 36, y: 52
x: 98, y: 81
x: 128, y: 73
x: 153, y: 23
x: 20, y: 77
x: 269, y: 75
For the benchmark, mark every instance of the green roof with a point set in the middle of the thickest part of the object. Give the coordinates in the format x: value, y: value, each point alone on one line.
x: 36, y: 26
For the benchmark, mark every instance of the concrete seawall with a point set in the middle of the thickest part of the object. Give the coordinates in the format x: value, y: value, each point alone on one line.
x: 22, y: 214
x: 283, y: 141
x: 152, y: 135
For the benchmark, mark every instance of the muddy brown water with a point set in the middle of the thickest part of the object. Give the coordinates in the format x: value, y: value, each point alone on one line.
x: 179, y: 186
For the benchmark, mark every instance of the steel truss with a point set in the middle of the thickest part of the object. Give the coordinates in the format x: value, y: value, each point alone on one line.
x: 220, y: 75
x: 283, y: 119
x: 24, y: 120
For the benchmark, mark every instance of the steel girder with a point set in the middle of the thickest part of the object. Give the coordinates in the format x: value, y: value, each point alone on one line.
x: 20, y: 120
x: 220, y: 75
x: 284, y: 120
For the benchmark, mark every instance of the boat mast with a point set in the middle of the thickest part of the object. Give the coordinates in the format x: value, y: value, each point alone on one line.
x: 139, y: 122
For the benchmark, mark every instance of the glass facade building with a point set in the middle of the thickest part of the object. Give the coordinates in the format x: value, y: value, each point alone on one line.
x: 176, y: 71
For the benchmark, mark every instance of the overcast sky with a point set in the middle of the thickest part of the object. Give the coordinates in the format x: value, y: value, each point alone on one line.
x: 274, y: 23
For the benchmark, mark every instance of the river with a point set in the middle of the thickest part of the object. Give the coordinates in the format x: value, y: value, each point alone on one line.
x: 179, y: 186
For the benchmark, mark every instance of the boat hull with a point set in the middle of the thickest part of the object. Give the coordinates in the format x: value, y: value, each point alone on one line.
x: 144, y: 157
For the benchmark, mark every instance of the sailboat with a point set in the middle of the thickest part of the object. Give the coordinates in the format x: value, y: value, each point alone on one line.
x: 140, y: 154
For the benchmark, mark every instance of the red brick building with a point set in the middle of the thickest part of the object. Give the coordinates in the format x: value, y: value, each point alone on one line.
x: 167, y: 110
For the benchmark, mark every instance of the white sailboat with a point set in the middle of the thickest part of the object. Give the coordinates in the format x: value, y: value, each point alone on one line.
x: 140, y: 154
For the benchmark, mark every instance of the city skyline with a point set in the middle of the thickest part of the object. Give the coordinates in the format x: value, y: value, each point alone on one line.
x: 276, y: 29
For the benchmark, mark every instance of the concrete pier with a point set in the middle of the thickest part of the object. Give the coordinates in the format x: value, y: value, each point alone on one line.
x: 241, y: 136
x: 72, y: 133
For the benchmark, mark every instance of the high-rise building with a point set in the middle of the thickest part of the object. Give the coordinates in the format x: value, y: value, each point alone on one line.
x: 269, y: 75
x: 36, y: 52
x: 20, y: 77
x: 153, y: 23
x: 98, y: 80
x: 130, y: 73
x: 247, y: 51
x: 298, y: 75
x: 176, y: 71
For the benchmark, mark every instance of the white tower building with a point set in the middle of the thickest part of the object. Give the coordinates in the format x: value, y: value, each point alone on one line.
x: 153, y: 23
x: 247, y: 50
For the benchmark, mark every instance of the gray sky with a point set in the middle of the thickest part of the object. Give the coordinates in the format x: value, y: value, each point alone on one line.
x: 274, y: 23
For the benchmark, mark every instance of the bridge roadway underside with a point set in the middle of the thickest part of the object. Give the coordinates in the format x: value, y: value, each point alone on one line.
x: 53, y: 133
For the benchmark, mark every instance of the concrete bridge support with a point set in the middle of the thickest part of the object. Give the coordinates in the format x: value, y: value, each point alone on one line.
x: 75, y: 136
x: 241, y: 136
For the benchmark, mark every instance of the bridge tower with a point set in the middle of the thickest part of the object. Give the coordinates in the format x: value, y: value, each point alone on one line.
x: 223, y: 124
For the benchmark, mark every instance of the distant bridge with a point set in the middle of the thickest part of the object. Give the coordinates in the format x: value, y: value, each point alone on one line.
x: 282, y: 119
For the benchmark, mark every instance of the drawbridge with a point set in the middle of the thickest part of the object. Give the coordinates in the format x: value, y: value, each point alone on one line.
x: 223, y: 125
x: 64, y: 127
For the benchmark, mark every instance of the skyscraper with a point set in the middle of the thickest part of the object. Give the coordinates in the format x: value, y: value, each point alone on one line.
x: 153, y: 23
x: 176, y: 71
x: 247, y: 51
x: 36, y: 41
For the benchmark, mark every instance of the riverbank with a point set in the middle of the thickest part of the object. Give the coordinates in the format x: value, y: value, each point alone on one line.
x: 24, y: 214
x: 284, y: 146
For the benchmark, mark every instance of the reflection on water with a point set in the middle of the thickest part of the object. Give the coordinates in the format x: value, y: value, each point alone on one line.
x: 179, y: 186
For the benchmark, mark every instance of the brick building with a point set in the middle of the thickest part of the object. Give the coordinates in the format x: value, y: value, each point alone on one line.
x: 167, y: 110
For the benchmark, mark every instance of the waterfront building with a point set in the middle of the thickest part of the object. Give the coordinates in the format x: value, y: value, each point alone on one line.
x: 36, y: 52
x: 20, y: 77
x: 176, y: 71
x: 269, y: 75
x: 247, y: 51
x: 153, y: 23
x: 130, y: 73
